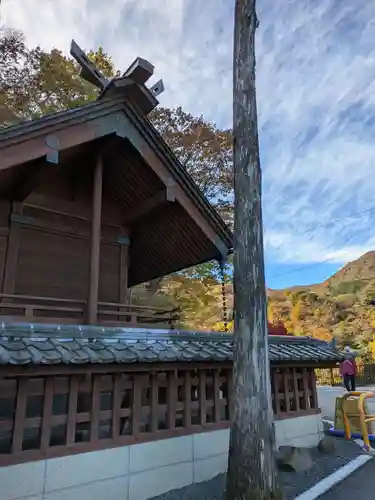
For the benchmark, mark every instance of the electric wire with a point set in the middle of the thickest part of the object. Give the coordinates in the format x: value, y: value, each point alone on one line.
x: 314, y: 228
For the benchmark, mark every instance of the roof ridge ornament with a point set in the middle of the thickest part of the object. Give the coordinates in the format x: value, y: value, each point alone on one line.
x: 157, y: 88
x: 140, y: 71
x: 89, y: 71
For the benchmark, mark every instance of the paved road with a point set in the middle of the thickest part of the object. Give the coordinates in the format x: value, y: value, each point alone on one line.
x: 359, y: 485
x: 327, y: 398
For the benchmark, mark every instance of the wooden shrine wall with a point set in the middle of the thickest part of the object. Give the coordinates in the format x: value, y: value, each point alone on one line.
x: 55, y: 411
x: 45, y: 245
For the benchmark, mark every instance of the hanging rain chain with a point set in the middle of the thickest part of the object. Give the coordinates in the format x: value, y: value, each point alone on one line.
x: 224, y: 295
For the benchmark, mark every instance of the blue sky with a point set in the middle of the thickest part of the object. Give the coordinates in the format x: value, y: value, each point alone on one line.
x: 316, y: 100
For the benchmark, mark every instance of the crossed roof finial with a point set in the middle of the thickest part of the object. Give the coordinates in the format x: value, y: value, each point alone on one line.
x: 139, y: 72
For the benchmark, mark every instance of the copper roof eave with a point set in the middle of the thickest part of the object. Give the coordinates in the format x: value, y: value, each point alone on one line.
x: 146, y: 102
x: 16, y: 134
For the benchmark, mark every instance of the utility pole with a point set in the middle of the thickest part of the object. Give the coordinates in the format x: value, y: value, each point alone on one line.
x: 252, y: 473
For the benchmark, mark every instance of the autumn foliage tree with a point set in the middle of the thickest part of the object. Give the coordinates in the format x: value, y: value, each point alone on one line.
x: 35, y: 83
x: 18, y: 75
x: 204, y: 150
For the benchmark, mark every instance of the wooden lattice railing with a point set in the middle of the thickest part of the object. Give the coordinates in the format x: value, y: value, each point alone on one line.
x: 47, y: 412
x: 49, y: 416
x: 69, y: 311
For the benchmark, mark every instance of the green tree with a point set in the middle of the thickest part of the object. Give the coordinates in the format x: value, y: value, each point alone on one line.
x: 18, y: 76
x: 35, y: 83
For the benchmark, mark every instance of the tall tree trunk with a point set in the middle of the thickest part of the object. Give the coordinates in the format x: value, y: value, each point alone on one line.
x: 252, y: 473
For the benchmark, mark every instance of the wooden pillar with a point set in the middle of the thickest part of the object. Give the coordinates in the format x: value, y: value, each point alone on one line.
x: 11, y: 259
x: 123, y: 268
x: 97, y: 193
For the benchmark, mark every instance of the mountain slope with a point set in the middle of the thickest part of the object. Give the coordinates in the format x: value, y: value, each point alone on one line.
x: 343, y: 306
x: 360, y: 269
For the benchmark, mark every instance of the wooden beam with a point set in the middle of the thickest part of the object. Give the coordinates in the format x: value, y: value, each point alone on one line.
x: 95, y: 241
x: 30, y: 180
x: 58, y: 228
x: 84, y: 369
x: 164, y: 196
x: 162, y: 161
x: 38, y: 146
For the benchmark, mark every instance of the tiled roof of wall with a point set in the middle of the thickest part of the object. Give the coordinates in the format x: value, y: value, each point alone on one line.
x: 24, y: 344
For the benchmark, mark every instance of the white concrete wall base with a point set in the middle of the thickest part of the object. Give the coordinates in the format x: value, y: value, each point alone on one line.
x: 300, y: 431
x: 141, y: 471
x: 135, y: 472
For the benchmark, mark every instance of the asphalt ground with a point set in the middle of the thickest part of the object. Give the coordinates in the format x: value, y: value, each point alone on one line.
x: 360, y: 485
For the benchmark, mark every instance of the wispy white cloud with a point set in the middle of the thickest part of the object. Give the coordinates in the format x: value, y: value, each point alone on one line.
x: 316, y: 95
x: 316, y: 88
x: 312, y: 250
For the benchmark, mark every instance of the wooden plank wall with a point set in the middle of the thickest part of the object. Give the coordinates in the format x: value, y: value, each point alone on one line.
x: 49, y: 244
x: 52, y: 265
x: 109, y: 277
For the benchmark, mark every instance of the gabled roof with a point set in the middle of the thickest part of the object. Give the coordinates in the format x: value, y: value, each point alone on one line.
x: 25, y: 344
x: 98, y: 110
x: 120, y: 128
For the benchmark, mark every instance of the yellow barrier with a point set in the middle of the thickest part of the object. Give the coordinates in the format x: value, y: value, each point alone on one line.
x: 363, y: 418
x: 351, y: 408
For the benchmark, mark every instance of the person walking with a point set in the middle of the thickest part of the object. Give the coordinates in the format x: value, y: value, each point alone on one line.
x: 348, y: 371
